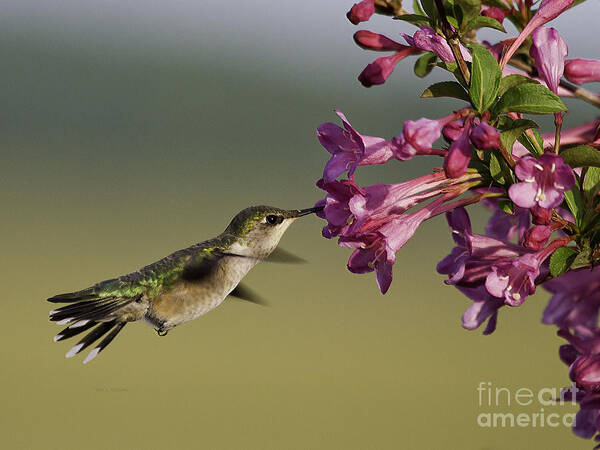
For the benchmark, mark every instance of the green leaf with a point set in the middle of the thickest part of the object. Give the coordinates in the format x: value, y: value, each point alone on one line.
x: 529, y: 98
x: 561, y: 260
x: 417, y: 8
x: 575, y: 204
x: 513, y: 130
x: 534, y: 144
x: 425, y: 64
x: 452, y: 21
x: 497, y: 4
x: 513, y: 80
x: 470, y: 9
x: 446, y: 89
x: 506, y: 206
x: 415, y: 19
x: 581, y: 156
x: 450, y: 66
x: 484, y: 22
x: 499, y: 170
x: 429, y: 8
x: 485, y: 78
x: 591, y: 183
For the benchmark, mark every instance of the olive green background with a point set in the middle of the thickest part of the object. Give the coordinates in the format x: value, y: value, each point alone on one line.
x: 132, y: 130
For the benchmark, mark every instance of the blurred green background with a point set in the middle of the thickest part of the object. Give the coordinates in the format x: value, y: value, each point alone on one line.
x: 132, y: 129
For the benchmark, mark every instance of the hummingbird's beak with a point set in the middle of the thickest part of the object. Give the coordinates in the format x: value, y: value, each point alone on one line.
x: 304, y: 212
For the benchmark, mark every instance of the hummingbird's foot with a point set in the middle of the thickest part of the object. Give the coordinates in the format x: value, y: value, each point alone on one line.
x: 161, y: 332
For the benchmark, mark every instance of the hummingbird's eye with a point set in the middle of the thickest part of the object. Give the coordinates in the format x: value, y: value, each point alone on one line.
x: 272, y: 219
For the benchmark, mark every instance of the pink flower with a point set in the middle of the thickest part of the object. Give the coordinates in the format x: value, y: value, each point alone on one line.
x: 373, y: 254
x: 336, y: 209
x: 375, y: 205
x: 575, y: 301
x: 459, y: 154
x: 515, y: 279
x: 581, y: 71
x: 417, y: 137
x: 468, y: 265
x: 349, y: 149
x: 549, y: 51
x: 543, y: 181
x: 361, y: 11
x: 505, y: 226
x: 427, y: 39
x: 548, y: 10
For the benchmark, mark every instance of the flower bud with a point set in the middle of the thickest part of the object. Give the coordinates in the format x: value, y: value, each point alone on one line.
x: 580, y: 70
x: 379, y: 70
x: 537, y: 236
x: 452, y: 130
x: 459, y: 155
x: 373, y: 41
x: 541, y: 216
x: 361, y: 11
x: 484, y: 136
x: 494, y: 12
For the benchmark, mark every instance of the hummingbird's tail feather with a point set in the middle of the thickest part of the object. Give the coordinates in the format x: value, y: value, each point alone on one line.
x: 71, y: 331
x: 81, y: 313
x: 107, y: 329
x: 70, y: 297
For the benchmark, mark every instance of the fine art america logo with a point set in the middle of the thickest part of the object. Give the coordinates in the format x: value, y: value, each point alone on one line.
x: 502, y: 407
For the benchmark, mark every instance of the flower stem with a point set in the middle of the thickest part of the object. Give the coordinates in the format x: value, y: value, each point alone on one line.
x: 558, y: 121
x: 452, y: 39
x: 506, y: 155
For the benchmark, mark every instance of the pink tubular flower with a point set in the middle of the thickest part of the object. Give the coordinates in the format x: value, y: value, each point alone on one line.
x: 515, y: 279
x: 374, y: 254
x: 549, y: 51
x: 459, y: 154
x: 417, y: 137
x: 543, y: 181
x: 575, y: 301
x: 375, y: 250
x: 349, y: 149
x: 548, y: 10
x: 361, y: 11
x: 336, y: 209
x: 468, y: 265
x: 505, y: 226
x: 581, y: 71
x: 427, y: 39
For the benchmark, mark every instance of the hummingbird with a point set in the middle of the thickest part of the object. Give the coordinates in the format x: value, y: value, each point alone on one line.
x: 179, y: 287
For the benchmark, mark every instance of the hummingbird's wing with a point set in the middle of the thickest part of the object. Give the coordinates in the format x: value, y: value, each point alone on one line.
x: 280, y: 255
x: 243, y: 292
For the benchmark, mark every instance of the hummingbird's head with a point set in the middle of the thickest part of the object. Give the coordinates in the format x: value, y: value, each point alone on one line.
x: 260, y: 228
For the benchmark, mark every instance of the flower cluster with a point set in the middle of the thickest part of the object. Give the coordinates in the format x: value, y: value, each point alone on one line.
x: 543, y: 189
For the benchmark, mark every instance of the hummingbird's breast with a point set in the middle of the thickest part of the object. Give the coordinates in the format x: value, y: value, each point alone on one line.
x: 188, y: 300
